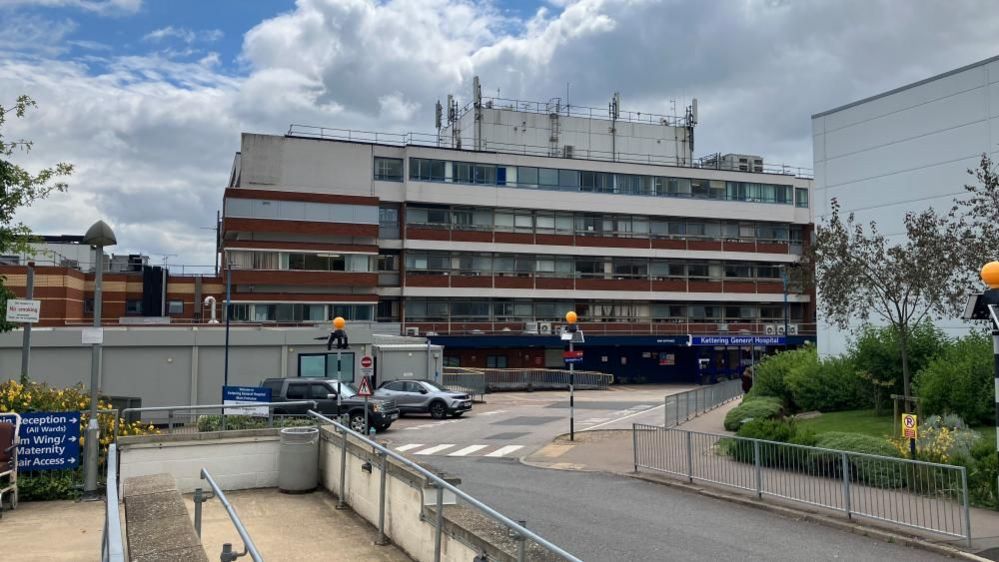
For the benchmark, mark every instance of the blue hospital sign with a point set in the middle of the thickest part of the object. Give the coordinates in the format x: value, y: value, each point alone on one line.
x: 48, y: 441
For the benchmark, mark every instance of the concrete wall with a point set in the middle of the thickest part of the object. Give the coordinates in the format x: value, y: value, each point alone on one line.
x: 249, y: 459
x: 236, y: 459
x: 173, y: 366
x: 905, y: 150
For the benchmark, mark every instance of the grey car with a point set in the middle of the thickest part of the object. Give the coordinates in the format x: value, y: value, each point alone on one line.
x: 424, y: 396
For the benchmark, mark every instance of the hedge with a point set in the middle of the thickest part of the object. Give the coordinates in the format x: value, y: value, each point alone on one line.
x: 960, y: 381
x: 829, y: 384
x: 754, y: 408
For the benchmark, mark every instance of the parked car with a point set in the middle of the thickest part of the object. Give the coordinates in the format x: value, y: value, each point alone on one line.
x: 425, y: 396
x: 381, y: 412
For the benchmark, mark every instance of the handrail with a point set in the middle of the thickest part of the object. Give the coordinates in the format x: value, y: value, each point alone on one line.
x: 248, y: 545
x: 443, y: 484
x: 112, y: 549
x: 270, y: 406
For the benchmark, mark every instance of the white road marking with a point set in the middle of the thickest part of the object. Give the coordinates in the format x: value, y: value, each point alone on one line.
x: 405, y: 448
x: 625, y: 417
x: 596, y: 420
x: 435, y: 449
x: 492, y: 413
x: 505, y: 450
x: 467, y: 450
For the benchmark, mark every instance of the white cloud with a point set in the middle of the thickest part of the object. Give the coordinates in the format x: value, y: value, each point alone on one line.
x: 183, y: 34
x: 153, y: 138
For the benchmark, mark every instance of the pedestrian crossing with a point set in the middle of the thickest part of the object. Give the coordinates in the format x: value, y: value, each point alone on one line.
x: 455, y: 450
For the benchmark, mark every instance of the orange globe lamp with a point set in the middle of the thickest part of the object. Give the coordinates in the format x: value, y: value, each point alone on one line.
x: 571, y: 317
x: 339, y: 322
x: 990, y: 274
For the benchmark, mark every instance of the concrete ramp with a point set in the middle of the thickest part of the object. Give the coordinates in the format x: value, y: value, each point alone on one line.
x: 157, y: 524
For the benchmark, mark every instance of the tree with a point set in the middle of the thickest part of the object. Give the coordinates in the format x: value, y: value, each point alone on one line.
x: 20, y: 188
x: 981, y: 214
x: 861, y: 274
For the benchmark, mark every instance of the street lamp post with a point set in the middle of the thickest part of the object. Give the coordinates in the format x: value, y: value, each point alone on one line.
x: 340, y: 336
x: 570, y: 319
x: 98, y: 236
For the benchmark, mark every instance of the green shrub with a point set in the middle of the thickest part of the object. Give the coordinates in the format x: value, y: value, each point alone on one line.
x: 828, y: 385
x: 770, y: 375
x: 876, y: 352
x: 960, y: 381
x: 757, y: 408
x: 983, y: 469
x: 865, y: 470
x: 232, y: 423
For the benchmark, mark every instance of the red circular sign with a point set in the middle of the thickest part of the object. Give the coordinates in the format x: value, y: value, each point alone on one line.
x: 366, y: 362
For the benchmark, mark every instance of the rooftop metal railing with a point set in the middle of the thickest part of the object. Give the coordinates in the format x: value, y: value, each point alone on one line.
x: 433, y: 140
x: 112, y: 548
x: 519, y: 531
x: 227, y: 553
x: 920, y: 495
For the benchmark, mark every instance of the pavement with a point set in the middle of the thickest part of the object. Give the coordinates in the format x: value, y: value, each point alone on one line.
x: 52, y: 531
x: 291, y: 527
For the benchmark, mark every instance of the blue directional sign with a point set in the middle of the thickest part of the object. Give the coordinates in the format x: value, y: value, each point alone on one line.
x: 248, y: 395
x: 738, y: 340
x: 48, y: 441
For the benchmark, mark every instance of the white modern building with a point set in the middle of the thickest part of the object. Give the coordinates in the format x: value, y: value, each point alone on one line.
x: 904, y: 150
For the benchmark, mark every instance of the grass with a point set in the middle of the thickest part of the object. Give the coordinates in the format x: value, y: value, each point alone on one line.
x: 864, y: 421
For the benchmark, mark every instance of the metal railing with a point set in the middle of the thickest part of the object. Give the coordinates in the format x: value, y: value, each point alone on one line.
x: 519, y: 532
x: 641, y: 326
x: 920, y: 495
x: 471, y: 382
x: 533, y: 379
x: 172, y: 422
x: 112, y: 549
x: 468, y: 142
x: 227, y: 553
x: 687, y: 405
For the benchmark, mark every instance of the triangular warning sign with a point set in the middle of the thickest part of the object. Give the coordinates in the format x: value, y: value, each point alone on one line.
x: 364, y: 389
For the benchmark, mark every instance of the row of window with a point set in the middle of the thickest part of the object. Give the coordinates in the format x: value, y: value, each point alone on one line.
x: 423, y: 169
x: 262, y: 312
x: 581, y: 267
x: 596, y: 224
x: 495, y: 310
x: 133, y: 307
x: 241, y: 259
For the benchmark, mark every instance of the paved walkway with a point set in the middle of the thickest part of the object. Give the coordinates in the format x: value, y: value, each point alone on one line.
x: 52, y: 531
x: 292, y: 527
x: 612, y: 451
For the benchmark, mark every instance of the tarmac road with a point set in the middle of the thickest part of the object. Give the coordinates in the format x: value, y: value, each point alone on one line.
x: 604, y: 517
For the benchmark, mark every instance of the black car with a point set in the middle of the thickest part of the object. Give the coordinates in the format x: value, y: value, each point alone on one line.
x: 425, y: 396
x: 381, y: 412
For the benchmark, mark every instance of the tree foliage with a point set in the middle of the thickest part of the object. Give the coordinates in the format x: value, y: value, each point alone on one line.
x: 981, y: 213
x: 20, y: 188
x: 862, y: 274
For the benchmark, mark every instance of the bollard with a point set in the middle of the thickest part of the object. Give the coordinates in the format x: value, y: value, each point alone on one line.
x: 382, y: 539
x: 227, y: 554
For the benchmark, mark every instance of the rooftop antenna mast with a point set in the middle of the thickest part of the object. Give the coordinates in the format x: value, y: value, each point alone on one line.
x: 438, y: 115
x: 614, y: 109
x: 477, y: 106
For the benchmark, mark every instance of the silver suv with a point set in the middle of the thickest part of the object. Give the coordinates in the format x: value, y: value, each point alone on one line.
x: 424, y: 396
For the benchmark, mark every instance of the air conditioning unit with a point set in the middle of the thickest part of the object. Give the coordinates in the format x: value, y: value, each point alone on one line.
x: 412, y: 331
x: 567, y: 151
x: 792, y: 329
x: 770, y: 330
x: 544, y: 328
x: 780, y: 329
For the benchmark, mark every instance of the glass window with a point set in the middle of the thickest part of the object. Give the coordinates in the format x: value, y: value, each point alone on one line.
x: 738, y: 271
x: 485, y: 174
x: 133, y: 307
x: 568, y: 180
x: 527, y: 177
x: 545, y: 221
x: 587, y: 181
x: 462, y: 172
x: 504, y: 220
x: 548, y: 177
x: 176, y: 308
x: 523, y: 221
x: 699, y: 189
x: 388, y: 169
x: 699, y: 270
x: 300, y: 390
x: 801, y: 197
x: 496, y: 362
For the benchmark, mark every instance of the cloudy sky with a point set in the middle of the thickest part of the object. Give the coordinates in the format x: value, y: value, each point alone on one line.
x: 148, y: 97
